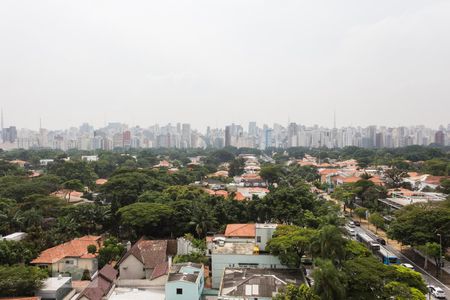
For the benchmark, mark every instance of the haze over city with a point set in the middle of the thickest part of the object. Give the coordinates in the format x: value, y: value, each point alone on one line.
x: 211, y: 63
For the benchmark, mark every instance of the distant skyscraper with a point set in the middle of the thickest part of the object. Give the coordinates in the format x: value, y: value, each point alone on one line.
x: 227, y: 136
x: 439, y: 138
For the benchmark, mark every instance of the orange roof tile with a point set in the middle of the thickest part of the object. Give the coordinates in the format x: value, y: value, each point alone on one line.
x: 351, y: 179
x: 327, y: 171
x: 240, y: 230
x: 221, y: 193
x: 74, y: 248
x: 434, y: 179
x: 101, y: 181
x: 239, y: 196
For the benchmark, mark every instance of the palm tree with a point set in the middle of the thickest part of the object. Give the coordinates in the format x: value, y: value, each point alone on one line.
x: 328, y: 283
x: 329, y: 244
x: 202, y: 219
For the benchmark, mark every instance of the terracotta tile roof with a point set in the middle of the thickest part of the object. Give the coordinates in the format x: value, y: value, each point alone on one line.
x: 221, y: 193
x: 251, y: 176
x: 351, y: 179
x: 160, y: 270
x: 240, y: 230
x: 239, y: 197
x: 101, y: 181
x: 152, y: 252
x: 434, y: 179
x: 74, y: 248
x: 327, y: 171
x: 108, y: 272
x: 101, y: 284
x: 258, y: 190
x: 377, y: 180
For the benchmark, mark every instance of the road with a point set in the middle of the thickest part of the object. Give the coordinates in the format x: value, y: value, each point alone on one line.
x: 429, y: 279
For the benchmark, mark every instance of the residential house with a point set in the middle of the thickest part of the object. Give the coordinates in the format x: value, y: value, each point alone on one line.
x: 147, y: 259
x: 71, y: 258
x: 101, y: 285
x: 56, y: 288
x: 185, y: 282
x: 244, y: 247
x: 256, y: 284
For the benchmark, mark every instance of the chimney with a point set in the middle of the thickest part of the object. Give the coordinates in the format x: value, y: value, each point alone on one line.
x: 128, y: 246
x: 169, y: 261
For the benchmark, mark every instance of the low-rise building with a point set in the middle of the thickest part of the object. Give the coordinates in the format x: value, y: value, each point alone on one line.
x: 71, y: 258
x: 256, y: 284
x: 147, y: 259
x: 185, y: 282
x: 101, y: 285
x: 243, y: 254
x: 55, y: 288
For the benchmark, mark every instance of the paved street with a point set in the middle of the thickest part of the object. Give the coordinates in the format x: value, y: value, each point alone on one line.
x: 429, y: 278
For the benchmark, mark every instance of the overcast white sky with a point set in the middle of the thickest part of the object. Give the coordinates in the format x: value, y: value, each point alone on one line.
x: 216, y: 62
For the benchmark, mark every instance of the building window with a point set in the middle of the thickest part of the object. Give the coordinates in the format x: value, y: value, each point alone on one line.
x: 258, y: 239
x: 179, y: 291
x: 69, y: 262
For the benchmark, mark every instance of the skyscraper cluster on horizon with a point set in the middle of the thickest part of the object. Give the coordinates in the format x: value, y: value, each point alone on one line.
x: 121, y: 136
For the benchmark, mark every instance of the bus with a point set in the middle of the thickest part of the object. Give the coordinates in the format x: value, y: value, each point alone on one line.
x: 369, y: 242
x: 387, y: 257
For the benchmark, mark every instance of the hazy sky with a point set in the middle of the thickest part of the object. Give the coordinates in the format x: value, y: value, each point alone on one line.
x: 216, y: 62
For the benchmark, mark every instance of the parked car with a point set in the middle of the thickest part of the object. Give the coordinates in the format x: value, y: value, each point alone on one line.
x: 436, y: 291
x: 409, y: 266
x: 381, y: 241
x: 357, y: 223
x: 351, y: 231
x: 351, y: 224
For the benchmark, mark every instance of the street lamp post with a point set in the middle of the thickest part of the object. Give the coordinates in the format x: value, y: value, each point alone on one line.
x: 440, y: 254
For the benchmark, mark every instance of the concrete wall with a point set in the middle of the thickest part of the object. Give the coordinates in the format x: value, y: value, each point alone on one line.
x: 265, y: 234
x: 190, y: 290
x: 222, y: 261
x: 131, y: 268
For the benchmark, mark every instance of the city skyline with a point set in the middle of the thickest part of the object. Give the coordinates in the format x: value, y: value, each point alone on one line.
x: 251, y: 135
x: 210, y: 63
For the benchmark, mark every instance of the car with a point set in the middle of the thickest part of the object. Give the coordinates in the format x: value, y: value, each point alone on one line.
x: 409, y: 266
x: 436, y: 291
x: 351, y: 231
x: 381, y: 241
x: 357, y: 223
x: 351, y: 224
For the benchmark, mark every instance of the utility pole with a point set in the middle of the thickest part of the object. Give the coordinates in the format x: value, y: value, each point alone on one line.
x: 440, y: 254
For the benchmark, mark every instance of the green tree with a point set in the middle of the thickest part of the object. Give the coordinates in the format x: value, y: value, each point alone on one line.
x: 445, y: 186
x: 290, y: 243
x: 409, y: 277
x: 236, y: 167
x: 361, y: 212
x: 12, y: 252
x: 292, y: 292
x: 271, y: 173
x: 92, y: 249
x: 400, y: 291
x: 146, y: 218
x: 417, y: 224
x: 71, y: 186
x: 365, y: 277
x: 111, y: 251
x: 20, y: 280
x: 395, y: 176
x: 329, y: 243
x: 329, y: 283
x: 377, y: 220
